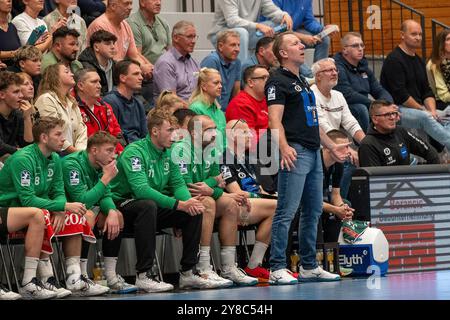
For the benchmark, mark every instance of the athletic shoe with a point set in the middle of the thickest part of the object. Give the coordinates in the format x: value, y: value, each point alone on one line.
x: 190, y: 280
x: 53, y: 285
x: 238, y: 276
x: 317, y: 275
x: 282, y: 277
x: 148, y: 284
x: 35, y: 290
x: 5, y: 294
x: 119, y: 286
x: 211, y: 275
x: 85, y: 287
x: 345, y: 271
x: 259, y: 272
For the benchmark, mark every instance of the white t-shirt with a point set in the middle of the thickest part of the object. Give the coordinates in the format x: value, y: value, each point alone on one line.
x: 25, y: 25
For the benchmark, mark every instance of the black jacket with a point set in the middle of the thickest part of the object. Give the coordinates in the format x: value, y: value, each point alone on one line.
x: 89, y: 60
x: 393, y: 149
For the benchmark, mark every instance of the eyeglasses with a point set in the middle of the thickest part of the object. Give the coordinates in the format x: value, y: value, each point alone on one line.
x: 331, y: 70
x: 191, y: 38
x: 261, y: 77
x: 241, y: 120
x: 356, y: 45
x: 394, y: 114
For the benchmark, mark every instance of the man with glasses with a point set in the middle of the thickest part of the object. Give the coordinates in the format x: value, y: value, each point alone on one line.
x: 356, y: 80
x: 387, y: 144
x: 151, y: 34
x: 176, y: 69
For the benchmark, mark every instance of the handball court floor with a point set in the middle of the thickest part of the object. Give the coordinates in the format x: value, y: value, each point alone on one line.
x: 434, y: 285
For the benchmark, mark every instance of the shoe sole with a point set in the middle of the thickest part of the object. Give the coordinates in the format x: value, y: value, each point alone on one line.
x: 26, y: 296
x: 317, y: 280
x: 87, y: 294
x: 124, y: 291
x: 243, y: 284
x: 154, y: 291
x: 63, y: 295
x: 277, y: 283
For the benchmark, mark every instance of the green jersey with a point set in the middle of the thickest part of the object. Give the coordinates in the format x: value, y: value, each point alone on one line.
x: 146, y: 172
x: 29, y: 179
x: 83, y: 184
x: 195, y: 166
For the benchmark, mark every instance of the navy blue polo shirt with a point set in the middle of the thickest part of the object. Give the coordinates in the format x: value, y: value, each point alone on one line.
x: 300, y: 120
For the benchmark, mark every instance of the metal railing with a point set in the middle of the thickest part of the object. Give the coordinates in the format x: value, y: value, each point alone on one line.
x: 197, y: 5
x: 436, y: 27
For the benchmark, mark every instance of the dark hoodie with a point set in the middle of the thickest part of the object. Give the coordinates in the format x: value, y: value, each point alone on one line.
x: 89, y: 60
x: 393, y: 149
x: 356, y: 83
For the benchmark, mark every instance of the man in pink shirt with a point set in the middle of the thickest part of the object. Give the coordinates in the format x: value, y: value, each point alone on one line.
x: 113, y: 20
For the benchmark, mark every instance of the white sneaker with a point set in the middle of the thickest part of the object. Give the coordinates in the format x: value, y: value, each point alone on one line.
x: 5, y: 294
x: 148, y: 284
x: 189, y: 280
x: 238, y: 276
x: 282, y: 277
x: 211, y: 275
x: 35, y: 290
x: 118, y: 285
x: 85, y: 287
x: 317, y: 275
x: 53, y: 285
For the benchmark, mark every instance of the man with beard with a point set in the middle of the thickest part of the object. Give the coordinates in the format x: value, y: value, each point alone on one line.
x: 64, y: 49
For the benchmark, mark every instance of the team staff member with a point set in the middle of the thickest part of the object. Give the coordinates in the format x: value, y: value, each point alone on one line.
x: 151, y: 194
x: 87, y: 175
x: 294, y: 123
x: 386, y: 144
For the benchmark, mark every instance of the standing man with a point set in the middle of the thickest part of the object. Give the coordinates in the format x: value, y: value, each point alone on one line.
x: 152, y: 36
x: 176, y: 69
x: 294, y: 123
x: 225, y: 60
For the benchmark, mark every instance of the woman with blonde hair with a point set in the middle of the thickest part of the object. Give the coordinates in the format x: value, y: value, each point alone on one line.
x: 170, y: 101
x: 438, y: 69
x: 56, y: 101
x: 27, y: 90
x: 204, y: 99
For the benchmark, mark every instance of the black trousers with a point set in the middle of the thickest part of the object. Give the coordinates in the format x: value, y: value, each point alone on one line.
x: 328, y: 228
x: 142, y: 218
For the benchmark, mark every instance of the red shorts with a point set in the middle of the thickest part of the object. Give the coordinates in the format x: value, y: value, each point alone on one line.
x: 75, y: 224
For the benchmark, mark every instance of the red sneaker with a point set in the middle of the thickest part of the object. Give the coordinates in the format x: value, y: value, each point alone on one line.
x: 259, y: 272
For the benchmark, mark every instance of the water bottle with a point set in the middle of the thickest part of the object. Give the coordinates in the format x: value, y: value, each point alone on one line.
x: 295, y: 258
x: 319, y: 257
x: 278, y: 29
x: 330, y: 258
x: 98, y: 273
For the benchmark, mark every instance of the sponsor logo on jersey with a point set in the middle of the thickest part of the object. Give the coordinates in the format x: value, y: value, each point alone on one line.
x: 74, y: 178
x: 271, y: 93
x: 136, y: 164
x: 183, y: 167
x: 25, y: 178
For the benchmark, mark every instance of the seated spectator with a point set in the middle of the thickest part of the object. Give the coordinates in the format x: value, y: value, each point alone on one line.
x: 64, y: 49
x: 16, y: 219
x: 128, y: 110
x: 175, y: 70
x: 91, y: 9
x: 242, y: 16
x: 170, y: 101
x: 225, y: 60
x: 27, y: 89
x: 356, y: 80
x: 67, y: 9
x: 27, y: 22
x: 404, y: 75
x: 306, y: 28
x: 54, y: 100
x: 250, y: 104
x: 239, y: 176
x: 438, y: 69
x: 152, y: 36
x: 387, y: 144
x: 97, y: 115
x: 9, y: 40
x: 263, y: 56
x: 113, y: 20
x: 99, y: 55
x: 204, y: 101
x: 15, y: 116
x: 28, y: 60
x: 183, y: 116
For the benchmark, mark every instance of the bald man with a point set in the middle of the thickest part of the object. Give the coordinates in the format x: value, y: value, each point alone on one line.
x: 404, y: 76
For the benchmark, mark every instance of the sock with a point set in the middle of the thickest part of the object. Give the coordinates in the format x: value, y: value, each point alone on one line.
x: 228, y: 256
x: 83, y: 266
x: 259, y: 249
x: 44, y: 269
x: 73, y: 267
x: 110, y: 267
x: 187, y: 273
x: 205, y: 258
x: 30, y: 268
